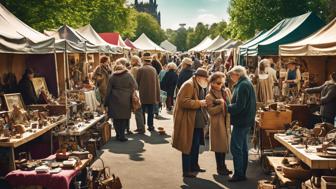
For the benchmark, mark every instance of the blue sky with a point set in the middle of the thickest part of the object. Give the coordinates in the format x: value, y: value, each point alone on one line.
x: 190, y: 12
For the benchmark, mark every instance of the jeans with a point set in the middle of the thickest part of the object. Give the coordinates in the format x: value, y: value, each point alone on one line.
x: 190, y: 161
x: 139, y: 119
x: 120, y: 125
x: 239, y: 149
x: 150, y: 114
x: 156, y: 109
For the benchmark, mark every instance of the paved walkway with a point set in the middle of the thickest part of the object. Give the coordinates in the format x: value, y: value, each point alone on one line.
x: 149, y: 162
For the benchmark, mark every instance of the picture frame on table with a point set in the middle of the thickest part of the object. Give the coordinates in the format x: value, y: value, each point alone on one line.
x: 39, y: 83
x: 13, y: 99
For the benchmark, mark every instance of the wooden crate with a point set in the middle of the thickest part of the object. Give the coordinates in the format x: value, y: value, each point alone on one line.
x: 301, y: 113
x: 328, y: 182
x: 274, y: 120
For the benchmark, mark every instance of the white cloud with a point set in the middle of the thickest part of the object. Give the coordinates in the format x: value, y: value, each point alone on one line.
x: 202, y: 10
x: 207, y: 18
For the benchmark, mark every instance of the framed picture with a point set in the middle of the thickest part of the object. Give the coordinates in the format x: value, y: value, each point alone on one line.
x: 39, y: 83
x: 13, y: 99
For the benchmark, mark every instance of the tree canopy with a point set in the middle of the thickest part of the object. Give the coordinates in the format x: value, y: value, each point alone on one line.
x: 249, y: 17
x: 246, y: 18
x: 149, y: 25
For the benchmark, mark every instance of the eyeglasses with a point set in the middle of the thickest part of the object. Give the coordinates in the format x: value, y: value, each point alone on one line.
x: 219, y: 83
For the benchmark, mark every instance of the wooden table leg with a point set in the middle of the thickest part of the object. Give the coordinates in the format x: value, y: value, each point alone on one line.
x: 12, y: 159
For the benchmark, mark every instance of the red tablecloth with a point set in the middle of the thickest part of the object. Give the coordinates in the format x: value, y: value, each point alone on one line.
x: 51, y: 181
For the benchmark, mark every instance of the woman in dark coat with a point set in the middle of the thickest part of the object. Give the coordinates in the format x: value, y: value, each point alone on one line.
x: 26, y: 87
x: 118, y: 99
x: 186, y: 73
x: 168, y: 84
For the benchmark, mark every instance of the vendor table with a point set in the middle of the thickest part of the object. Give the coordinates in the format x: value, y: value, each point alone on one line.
x: 51, y: 181
x: 7, y: 148
x: 81, y: 131
x: 311, y: 159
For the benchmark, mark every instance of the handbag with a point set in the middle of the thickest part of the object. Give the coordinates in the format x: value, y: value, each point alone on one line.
x: 102, y: 179
x: 135, y: 101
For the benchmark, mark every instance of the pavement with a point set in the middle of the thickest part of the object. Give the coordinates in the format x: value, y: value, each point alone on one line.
x: 149, y: 162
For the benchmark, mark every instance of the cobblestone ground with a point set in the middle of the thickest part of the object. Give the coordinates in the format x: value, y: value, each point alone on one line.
x: 149, y: 162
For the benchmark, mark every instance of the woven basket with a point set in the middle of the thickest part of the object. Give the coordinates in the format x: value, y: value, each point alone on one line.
x: 297, y: 173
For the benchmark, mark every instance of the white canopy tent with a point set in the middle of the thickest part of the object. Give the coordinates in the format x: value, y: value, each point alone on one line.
x: 205, y: 43
x: 145, y: 44
x: 93, y: 37
x: 321, y: 43
x: 17, y: 37
x: 67, y: 38
x: 168, y: 46
x: 216, y: 43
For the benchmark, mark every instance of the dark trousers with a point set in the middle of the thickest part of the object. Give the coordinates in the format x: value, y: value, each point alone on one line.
x: 220, y: 160
x: 149, y: 108
x: 120, y: 125
x: 169, y: 102
x: 239, y: 149
x: 190, y: 161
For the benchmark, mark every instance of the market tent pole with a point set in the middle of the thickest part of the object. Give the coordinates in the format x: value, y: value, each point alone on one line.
x: 56, y: 69
x: 86, y: 60
x: 67, y: 66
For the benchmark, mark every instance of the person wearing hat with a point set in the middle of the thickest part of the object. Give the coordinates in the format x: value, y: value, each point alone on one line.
x: 119, y: 91
x: 101, y: 77
x: 243, y: 111
x: 186, y: 72
x: 328, y: 98
x: 26, y: 87
x: 190, y: 119
x: 292, y: 79
x: 149, y: 89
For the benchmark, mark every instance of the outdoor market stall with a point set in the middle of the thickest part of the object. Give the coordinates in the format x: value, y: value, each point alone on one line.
x: 286, y: 31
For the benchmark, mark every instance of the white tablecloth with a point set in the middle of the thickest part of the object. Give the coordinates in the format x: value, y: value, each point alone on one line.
x: 91, y: 100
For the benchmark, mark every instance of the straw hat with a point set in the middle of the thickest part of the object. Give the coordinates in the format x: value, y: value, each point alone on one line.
x: 187, y: 61
x: 147, y: 57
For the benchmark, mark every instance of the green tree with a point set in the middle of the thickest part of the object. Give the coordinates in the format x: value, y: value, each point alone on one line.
x: 50, y: 14
x: 171, y: 35
x: 249, y: 17
x: 199, y: 33
x: 147, y: 24
x: 181, y: 39
x: 113, y: 16
x: 219, y: 28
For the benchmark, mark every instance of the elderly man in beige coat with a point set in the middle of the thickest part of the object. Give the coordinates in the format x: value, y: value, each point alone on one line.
x: 149, y: 89
x: 190, y: 118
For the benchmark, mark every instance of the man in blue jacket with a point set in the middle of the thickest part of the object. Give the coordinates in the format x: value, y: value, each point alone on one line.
x: 243, y: 112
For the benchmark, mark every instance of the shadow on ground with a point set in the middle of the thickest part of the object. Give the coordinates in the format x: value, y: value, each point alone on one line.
x: 193, y: 183
x: 134, y: 147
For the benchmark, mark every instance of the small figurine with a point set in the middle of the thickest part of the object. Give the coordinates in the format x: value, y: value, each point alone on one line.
x: 19, y: 116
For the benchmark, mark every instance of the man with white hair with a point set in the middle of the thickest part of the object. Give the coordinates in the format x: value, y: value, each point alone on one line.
x: 243, y: 111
